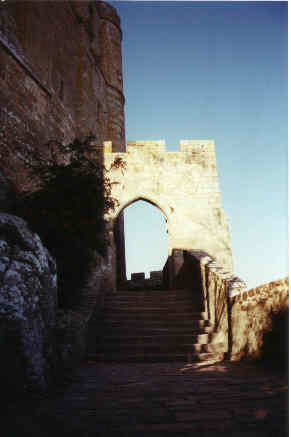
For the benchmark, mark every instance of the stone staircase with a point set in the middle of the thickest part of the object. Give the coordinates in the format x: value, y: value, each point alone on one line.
x: 153, y: 326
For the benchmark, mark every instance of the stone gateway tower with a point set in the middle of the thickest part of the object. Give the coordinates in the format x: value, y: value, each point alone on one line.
x: 183, y: 185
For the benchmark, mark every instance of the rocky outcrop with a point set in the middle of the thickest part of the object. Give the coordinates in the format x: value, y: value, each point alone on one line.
x: 28, y: 302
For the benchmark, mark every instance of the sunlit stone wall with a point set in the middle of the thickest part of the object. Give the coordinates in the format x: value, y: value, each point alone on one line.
x: 183, y: 185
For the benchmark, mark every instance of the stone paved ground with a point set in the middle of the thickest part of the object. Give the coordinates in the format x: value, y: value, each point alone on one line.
x: 173, y: 399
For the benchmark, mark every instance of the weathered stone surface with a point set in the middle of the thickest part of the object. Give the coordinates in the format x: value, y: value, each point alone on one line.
x: 137, y: 276
x: 28, y: 301
x: 183, y: 185
x: 211, y: 285
x: 251, y: 317
x: 158, y: 275
x: 159, y: 399
x: 72, y: 324
x: 241, y: 317
x: 7, y: 197
x: 60, y: 77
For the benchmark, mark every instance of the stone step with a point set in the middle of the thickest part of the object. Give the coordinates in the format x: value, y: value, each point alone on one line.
x: 150, y: 291
x: 190, y: 314
x: 154, y: 296
x: 154, y: 314
x: 153, y: 326
x: 151, y: 336
x: 149, y: 331
x: 167, y: 341
x: 154, y: 319
x: 173, y: 347
x: 189, y: 357
x: 149, y: 304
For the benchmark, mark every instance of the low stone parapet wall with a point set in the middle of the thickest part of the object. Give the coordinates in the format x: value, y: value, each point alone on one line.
x: 241, y: 317
x: 218, y: 285
x: 251, y: 317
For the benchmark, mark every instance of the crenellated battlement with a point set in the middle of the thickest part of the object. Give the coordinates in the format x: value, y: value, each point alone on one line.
x: 146, y: 146
x: 190, y: 146
x: 183, y: 184
x: 185, y: 146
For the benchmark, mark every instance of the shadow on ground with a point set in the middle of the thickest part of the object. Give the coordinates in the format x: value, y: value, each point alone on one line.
x: 210, y: 399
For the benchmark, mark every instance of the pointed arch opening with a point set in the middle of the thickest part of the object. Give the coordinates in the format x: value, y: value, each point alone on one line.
x: 146, y: 238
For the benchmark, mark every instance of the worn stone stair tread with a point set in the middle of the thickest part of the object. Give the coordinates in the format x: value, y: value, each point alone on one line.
x: 115, y: 314
x: 154, y: 326
x: 152, y: 347
x: 155, y: 297
x: 156, y: 336
x: 161, y: 357
x: 128, y: 336
x: 150, y: 292
x: 174, y: 349
x: 149, y: 307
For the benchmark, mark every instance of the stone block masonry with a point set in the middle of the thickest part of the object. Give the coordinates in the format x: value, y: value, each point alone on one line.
x: 241, y: 317
x: 60, y: 76
x: 183, y: 185
x: 251, y: 317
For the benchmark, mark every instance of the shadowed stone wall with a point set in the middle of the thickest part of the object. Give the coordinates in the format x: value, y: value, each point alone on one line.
x: 251, y: 317
x: 183, y: 185
x: 60, y: 79
x: 60, y: 76
x: 241, y: 317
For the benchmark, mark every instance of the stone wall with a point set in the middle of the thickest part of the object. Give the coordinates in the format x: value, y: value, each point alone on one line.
x: 60, y: 79
x: 251, y: 316
x: 214, y: 284
x: 241, y: 317
x: 183, y: 185
x: 60, y: 76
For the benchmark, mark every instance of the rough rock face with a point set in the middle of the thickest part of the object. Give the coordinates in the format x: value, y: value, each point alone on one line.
x: 28, y: 301
x: 7, y: 196
x: 60, y: 76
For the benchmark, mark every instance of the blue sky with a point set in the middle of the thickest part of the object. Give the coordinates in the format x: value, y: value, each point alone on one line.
x: 213, y: 70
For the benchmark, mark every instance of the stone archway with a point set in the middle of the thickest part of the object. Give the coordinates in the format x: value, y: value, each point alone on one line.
x: 183, y: 185
x: 146, y: 238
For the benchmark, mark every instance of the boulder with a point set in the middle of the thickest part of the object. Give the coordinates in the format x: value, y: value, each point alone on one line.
x: 28, y: 304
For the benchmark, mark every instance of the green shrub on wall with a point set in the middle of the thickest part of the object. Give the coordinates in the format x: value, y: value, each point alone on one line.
x: 67, y: 208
